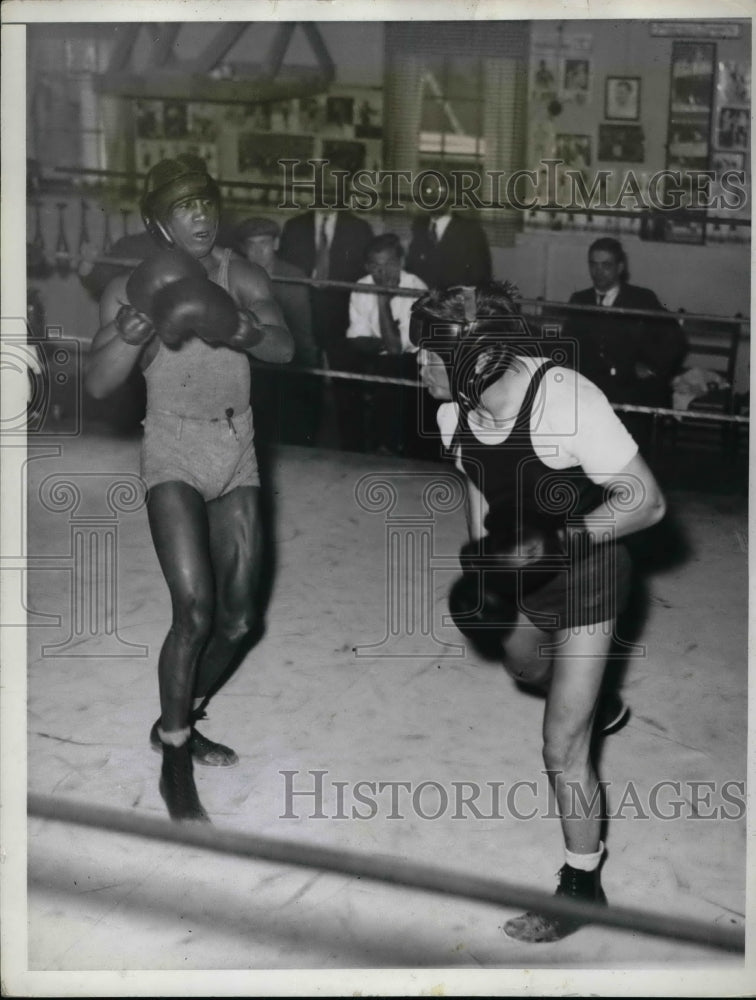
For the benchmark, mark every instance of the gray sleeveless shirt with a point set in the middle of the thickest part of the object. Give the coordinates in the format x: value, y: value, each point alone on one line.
x: 198, y: 380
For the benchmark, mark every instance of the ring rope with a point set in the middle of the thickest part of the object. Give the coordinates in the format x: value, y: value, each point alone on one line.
x: 660, y: 411
x: 414, y: 293
x: 381, y: 868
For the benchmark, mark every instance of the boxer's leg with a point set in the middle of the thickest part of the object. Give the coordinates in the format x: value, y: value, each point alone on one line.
x: 180, y: 532
x: 522, y: 657
x: 577, y: 673
x: 235, y: 537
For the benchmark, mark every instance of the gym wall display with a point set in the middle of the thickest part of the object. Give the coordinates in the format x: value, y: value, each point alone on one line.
x: 575, y: 150
x: 622, y: 98
x: 621, y: 143
x: 689, y: 128
x: 245, y: 141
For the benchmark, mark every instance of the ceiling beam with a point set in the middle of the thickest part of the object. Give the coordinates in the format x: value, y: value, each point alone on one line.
x: 126, y: 35
x: 163, y: 36
x: 252, y: 84
x: 218, y: 46
x: 319, y: 47
x: 278, y: 47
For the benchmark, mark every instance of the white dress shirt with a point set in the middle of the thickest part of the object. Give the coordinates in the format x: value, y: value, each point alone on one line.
x: 439, y: 223
x: 363, y: 310
x: 607, y: 298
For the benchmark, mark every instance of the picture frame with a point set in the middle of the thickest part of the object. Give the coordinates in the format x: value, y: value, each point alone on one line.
x: 723, y: 160
x: 576, y: 79
x: 622, y: 98
x: 621, y: 143
x: 575, y: 150
x: 733, y: 128
x: 688, y: 142
x: 693, y: 72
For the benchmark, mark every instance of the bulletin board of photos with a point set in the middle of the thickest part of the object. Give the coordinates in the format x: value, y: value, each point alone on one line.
x: 708, y: 126
x: 169, y: 128
x: 246, y: 141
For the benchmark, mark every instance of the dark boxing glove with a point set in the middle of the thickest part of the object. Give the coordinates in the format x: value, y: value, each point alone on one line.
x: 133, y: 327
x: 190, y: 307
x: 156, y: 274
x: 481, y: 613
x: 249, y: 332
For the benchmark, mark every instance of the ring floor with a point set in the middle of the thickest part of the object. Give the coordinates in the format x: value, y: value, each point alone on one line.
x: 353, y: 679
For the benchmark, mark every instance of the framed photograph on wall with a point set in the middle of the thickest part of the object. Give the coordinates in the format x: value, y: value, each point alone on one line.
x: 344, y: 155
x: 732, y: 128
x: 622, y: 98
x: 692, y: 76
x: 723, y: 160
x: 621, y: 143
x: 575, y: 150
x: 576, y: 80
x: 688, y: 142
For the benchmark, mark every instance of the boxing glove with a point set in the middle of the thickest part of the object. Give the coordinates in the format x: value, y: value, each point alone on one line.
x: 133, y: 327
x: 481, y: 613
x: 154, y: 275
x: 200, y: 308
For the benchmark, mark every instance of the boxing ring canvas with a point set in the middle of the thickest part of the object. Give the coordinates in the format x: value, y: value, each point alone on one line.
x: 358, y: 681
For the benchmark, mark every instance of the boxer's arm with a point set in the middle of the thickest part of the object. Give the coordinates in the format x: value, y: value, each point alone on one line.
x: 111, y: 358
x: 476, y: 509
x: 261, y: 322
x: 634, y: 501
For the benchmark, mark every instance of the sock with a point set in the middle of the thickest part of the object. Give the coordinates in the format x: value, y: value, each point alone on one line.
x: 175, y: 739
x: 584, y: 862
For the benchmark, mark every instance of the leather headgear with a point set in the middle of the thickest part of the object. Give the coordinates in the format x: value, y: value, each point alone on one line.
x: 172, y: 181
x: 476, y: 352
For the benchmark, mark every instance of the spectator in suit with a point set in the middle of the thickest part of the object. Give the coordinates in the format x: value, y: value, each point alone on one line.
x: 327, y: 245
x: 330, y: 245
x: 447, y: 248
x: 257, y: 239
x: 631, y: 359
x: 378, y: 335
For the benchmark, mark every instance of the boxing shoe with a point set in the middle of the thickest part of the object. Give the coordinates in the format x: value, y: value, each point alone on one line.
x: 177, y: 786
x: 536, y: 928
x: 204, y: 751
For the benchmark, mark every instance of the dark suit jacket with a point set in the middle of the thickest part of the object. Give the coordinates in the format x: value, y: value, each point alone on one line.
x: 461, y: 257
x: 330, y: 308
x: 609, y: 347
x: 294, y: 301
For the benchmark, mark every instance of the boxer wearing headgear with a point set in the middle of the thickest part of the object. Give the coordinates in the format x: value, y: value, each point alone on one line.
x: 549, y: 471
x: 189, y: 317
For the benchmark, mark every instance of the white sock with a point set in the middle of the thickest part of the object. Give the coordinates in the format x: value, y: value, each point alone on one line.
x: 584, y: 862
x: 175, y: 739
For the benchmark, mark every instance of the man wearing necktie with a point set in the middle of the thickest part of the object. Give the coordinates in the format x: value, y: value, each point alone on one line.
x: 447, y: 248
x: 329, y: 245
x: 631, y: 359
x: 378, y: 335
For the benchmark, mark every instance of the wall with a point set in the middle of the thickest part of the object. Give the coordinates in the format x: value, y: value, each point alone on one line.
x: 624, y: 48
x: 712, y: 279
